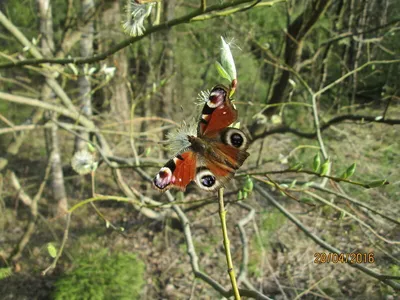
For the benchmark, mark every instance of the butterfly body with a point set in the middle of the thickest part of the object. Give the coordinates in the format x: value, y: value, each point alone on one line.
x: 214, y: 155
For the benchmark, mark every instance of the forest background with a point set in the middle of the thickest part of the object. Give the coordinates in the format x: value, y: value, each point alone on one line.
x: 318, y: 92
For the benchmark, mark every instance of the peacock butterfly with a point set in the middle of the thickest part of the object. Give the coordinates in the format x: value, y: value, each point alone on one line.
x: 214, y: 154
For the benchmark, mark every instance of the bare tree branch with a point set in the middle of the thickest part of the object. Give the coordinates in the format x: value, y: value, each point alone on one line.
x: 102, y: 56
x: 387, y: 279
x: 335, y: 120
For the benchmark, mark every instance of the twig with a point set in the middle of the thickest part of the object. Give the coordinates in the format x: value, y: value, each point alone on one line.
x: 260, y: 243
x: 32, y: 203
x: 319, y: 136
x: 311, y: 287
x: 36, y: 53
x: 356, y: 202
x: 326, y: 202
x: 194, y: 259
x: 339, y: 119
x: 383, y: 278
x: 336, y: 179
x: 203, y: 5
x: 231, y: 271
x: 51, y: 107
x: 374, y: 62
x: 60, y: 251
x: 230, y: 11
x: 99, y: 213
x: 24, y: 197
x: 102, y: 56
x: 243, y: 236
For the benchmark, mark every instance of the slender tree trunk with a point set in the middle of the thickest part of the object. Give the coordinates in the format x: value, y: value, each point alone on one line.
x: 361, y: 24
x: 296, y: 33
x: 168, y: 100
x: 57, y: 178
x: 47, y: 47
x: 85, y: 88
x: 348, y: 54
x: 119, y: 101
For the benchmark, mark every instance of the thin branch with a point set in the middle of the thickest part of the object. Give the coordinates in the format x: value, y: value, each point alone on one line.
x: 231, y: 271
x: 203, y: 5
x: 373, y: 62
x: 345, y: 35
x: 192, y: 251
x: 36, y: 53
x: 336, y: 179
x: 51, y: 107
x: 33, y: 205
x: 319, y: 136
x: 243, y: 236
x: 194, y: 259
x: 102, y: 56
x: 271, y: 270
x: 383, y: 278
x: 60, y: 251
x: 24, y: 197
x: 339, y: 119
x: 356, y: 202
x: 227, y: 12
x: 326, y: 202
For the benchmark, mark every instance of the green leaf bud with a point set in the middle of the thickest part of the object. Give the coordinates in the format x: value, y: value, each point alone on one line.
x: 376, y: 183
x: 51, y: 249
x: 317, y: 162
x: 325, y: 168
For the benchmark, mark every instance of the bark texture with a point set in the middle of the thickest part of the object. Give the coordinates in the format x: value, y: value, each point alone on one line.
x: 52, y: 140
x: 118, y: 92
x: 85, y: 87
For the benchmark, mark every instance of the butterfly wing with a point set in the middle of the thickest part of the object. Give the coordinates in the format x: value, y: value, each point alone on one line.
x: 228, y: 155
x: 177, y: 172
x: 218, y: 112
x: 216, y: 153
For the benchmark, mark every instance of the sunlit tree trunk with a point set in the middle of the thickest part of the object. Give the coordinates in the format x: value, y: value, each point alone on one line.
x: 86, y: 50
x: 168, y: 100
x: 118, y: 96
x: 52, y: 141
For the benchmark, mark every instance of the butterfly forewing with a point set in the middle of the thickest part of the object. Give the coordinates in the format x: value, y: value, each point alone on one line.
x: 218, y: 112
x: 177, y: 172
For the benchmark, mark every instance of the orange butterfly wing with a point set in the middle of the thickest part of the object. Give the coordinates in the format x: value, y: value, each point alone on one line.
x: 177, y: 172
x: 218, y: 113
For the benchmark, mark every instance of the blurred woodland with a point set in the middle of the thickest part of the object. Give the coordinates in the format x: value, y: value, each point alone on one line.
x: 318, y: 93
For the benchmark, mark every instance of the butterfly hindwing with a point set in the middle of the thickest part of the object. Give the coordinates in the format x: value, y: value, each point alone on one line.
x: 229, y: 153
x: 218, y: 112
x: 177, y: 172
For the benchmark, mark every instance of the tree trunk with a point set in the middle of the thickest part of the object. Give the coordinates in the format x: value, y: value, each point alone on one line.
x: 57, y: 176
x: 85, y: 88
x: 296, y: 33
x: 168, y: 100
x: 118, y: 97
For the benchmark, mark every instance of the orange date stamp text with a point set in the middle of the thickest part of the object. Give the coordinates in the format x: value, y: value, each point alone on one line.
x: 337, y: 258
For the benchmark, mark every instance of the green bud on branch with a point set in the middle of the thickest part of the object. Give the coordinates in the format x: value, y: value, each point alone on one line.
x: 317, y: 162
x: 376, y: 183
x: 325, y: 167
x: 51, y: 249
